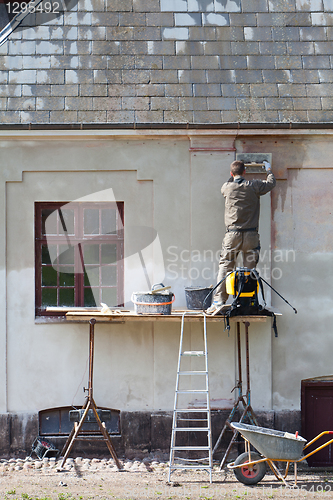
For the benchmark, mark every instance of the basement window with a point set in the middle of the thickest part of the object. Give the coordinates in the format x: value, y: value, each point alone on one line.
x: 79, y: 249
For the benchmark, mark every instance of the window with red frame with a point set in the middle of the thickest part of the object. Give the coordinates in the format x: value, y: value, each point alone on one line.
x: 79, y: 250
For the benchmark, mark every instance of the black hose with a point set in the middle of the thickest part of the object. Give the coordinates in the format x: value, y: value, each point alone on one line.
x: 212, y: 290
x: 286, y: 301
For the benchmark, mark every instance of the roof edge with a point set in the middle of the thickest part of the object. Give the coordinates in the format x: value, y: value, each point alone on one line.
x: 166, y: 126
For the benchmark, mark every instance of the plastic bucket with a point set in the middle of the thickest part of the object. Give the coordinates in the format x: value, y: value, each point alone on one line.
x: 159, y: 302
x: 195, y: 297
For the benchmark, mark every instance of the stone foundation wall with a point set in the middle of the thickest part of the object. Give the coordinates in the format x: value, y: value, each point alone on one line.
x: 141, y: 433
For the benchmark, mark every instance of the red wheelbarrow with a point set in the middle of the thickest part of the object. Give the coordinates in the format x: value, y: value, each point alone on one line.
x: 273, y: 446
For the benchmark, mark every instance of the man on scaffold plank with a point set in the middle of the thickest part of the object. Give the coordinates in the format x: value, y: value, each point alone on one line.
x: 241, y: 216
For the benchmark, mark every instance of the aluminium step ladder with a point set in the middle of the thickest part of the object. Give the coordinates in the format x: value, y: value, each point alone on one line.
x: 191, y: 423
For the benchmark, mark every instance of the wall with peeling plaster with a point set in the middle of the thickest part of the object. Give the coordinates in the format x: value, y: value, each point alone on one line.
x: 171, y: 189
x: 172, y: 183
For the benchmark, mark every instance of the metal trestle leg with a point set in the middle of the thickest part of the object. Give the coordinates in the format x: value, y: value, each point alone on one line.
x: 243, y: 401
x: 89, y: 404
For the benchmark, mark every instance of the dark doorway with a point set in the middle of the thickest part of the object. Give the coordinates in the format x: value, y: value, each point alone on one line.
x: 317, y: 416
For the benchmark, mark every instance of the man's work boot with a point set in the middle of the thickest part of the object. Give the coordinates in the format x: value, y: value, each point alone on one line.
x: 215, y: 308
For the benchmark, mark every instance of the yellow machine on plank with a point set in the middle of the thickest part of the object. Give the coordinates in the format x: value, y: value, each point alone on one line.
x: 243, y: 285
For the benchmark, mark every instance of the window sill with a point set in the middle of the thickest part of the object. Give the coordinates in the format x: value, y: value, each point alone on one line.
x: 58, y: 314
x: 42, y: 320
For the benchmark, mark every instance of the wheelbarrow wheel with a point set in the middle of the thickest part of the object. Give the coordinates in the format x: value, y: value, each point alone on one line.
x: 252, y: 474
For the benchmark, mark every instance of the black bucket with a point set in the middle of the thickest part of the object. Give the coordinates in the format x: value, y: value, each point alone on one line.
x: 195, y: 297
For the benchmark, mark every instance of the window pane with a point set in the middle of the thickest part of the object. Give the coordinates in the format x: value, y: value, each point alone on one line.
x: 109, y: 296
x: 109, y: 221
x: 91, y: 254
x: 51, y: 222
x: 45, y: 255
x: 49, y: 297
x: 109, y: 254
x: 109, y: 276
x: 91, y: 221
x: 65, y: 254
x: 66, y: 216
x: 66, y: 276
x: 91, y: 276
x: 89, y: 300
x: 49, y: 276
x: 66, y: 297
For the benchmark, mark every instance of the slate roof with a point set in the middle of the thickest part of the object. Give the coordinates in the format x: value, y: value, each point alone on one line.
x: 171, y: 61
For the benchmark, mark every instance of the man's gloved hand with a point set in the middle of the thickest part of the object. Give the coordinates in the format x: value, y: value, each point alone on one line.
x: 267, y: 166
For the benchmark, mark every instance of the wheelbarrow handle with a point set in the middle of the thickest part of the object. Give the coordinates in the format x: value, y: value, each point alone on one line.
x: 254, y: 462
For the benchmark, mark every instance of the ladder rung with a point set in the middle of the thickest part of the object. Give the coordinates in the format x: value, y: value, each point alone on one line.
x: 188, y: 429
x: 191, y: 410
x: 185, y: 391
x: 180, y: 466
x: 192, y: 420
x: 189, y: 448
x: 193, y: 372
x: 193, y: 353
x: 192, y: 460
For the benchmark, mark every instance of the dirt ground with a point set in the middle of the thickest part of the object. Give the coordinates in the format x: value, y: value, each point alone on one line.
x: 84, y: 479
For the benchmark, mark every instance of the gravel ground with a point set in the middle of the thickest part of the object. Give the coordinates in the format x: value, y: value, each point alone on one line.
x: 147, y: 478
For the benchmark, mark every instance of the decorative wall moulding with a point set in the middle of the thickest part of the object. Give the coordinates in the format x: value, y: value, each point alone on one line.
x: 212, y: 143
